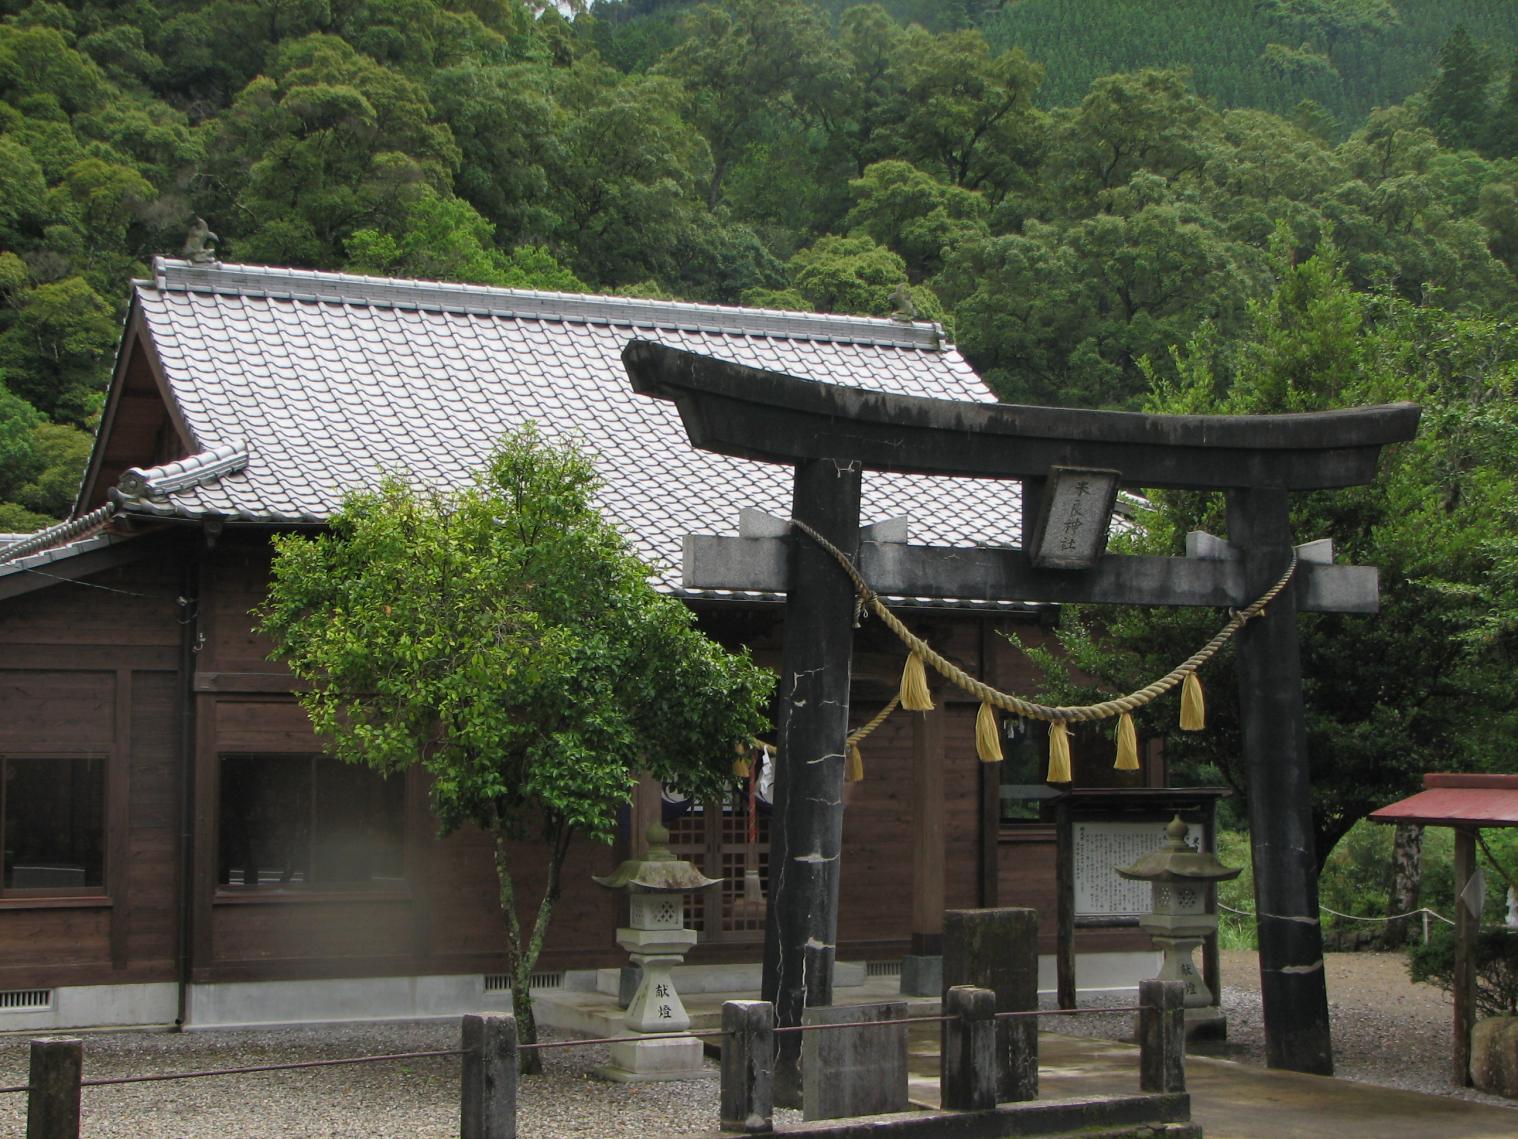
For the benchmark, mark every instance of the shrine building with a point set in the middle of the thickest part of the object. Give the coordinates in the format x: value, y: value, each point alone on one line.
x: 177, y: 847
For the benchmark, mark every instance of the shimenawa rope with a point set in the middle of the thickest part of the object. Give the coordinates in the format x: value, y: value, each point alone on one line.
x: 1056, y: 715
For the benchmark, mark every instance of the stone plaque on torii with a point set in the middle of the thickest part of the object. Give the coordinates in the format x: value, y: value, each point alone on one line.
x: 831, y: 434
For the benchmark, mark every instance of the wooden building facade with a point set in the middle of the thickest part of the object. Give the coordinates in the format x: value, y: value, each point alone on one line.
x: 177, y: 849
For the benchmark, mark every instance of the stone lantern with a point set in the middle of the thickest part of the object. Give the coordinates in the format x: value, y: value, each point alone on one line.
x: 657, y: 940
x: 1182, y: 914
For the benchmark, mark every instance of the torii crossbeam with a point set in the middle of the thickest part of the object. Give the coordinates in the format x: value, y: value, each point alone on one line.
x: 830, y: 434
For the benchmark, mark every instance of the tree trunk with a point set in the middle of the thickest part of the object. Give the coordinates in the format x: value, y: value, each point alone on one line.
x: 522, y: 953
x: 1407, y: 873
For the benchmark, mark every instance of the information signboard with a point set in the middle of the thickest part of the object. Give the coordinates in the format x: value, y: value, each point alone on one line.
x: 1100, y: 848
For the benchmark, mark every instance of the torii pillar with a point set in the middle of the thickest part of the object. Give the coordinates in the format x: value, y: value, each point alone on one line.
x: 831, y: 434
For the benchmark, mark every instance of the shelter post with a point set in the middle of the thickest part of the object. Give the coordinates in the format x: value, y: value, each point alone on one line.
x: 1292, y: 987
x: 922, y: 972
x: 1466, y: 927
x: 801, y: 925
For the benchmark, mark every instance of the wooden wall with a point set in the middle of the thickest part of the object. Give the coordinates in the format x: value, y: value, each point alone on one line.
x: 96, y: 669
x: 91, y: 668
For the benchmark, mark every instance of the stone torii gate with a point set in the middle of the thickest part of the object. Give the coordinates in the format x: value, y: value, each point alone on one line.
x: 831, y: 434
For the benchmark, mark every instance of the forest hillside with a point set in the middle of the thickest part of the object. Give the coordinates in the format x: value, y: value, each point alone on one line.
x: 1241, y: 205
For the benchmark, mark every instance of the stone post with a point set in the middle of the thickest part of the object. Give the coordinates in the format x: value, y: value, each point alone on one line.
x: 748, y: 1067
x: 967, y: 1081
x: 998, y: 950
x: 52, y: 1106
x: 1162, y: 1036
x: 488, y: 1085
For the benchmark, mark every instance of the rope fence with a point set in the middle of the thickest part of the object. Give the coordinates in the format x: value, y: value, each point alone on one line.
x: 294, y: 1065
x: 1424, y: 911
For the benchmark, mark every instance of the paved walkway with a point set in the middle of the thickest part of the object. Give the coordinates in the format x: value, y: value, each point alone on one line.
x: 1230, y: 1100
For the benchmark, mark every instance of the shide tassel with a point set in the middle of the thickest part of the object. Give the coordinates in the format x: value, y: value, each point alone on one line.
x: 987, y: 737
x: 1059, y: 752
x: 1193, y: 706
x: 915, y: 696
x: 1127, y: 744
x: 853, y: 765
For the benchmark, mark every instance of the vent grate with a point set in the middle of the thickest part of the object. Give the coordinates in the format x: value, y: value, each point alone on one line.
x: 501, y: 982
x: 882, y: 969
x: 26, y: 1000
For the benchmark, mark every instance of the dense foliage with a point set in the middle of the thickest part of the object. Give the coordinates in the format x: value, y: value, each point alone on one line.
x: 1496, y: 961
x: 506, y: 639
x: 1426, y: 684
x: 1239, y: 204
x: 1072, y: 187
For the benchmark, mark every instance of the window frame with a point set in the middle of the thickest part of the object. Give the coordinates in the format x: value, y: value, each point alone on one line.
x: 371, y: 888
x: 92, y: 894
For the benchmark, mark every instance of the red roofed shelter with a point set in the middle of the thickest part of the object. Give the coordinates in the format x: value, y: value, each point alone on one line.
x: 1467, y: 803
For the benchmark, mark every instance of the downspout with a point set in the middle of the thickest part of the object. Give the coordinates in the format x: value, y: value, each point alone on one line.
x: 189, y: 626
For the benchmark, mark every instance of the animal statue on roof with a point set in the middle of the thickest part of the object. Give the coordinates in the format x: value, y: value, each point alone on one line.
x: 196, y: 243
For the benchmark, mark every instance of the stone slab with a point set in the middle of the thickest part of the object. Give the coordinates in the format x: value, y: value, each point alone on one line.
x: 849, y: 1072
x: 922, y: 976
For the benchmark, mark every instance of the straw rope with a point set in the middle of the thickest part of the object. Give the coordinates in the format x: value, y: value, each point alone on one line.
x: 859, y: 733
x: 1028, y: 709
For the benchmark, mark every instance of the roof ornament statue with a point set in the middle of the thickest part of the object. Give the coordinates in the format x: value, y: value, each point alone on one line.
x: 905, y: 309
x: 196, y: 241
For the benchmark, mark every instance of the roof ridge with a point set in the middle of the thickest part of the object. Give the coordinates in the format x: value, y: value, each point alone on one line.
x: 347, y: 288
x: 180, y: 474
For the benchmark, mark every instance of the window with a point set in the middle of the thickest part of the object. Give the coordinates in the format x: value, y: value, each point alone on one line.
x: 53, y: 815
x: 1025, y: 750
x: 301, y: 820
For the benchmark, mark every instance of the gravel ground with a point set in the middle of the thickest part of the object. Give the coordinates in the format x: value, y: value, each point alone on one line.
x: 1386, y: 1029
x: 1371, y: 1001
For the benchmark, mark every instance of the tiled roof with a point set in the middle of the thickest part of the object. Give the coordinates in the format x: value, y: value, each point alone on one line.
x: 329, y: 381
x: 33, y: 562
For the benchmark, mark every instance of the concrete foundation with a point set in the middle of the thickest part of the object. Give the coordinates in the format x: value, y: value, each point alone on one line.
x: 97, y: 1006
x: 269, y: 1003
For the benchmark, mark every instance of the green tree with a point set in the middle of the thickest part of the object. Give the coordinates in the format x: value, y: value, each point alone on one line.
x: 505, y: 639
x: 319, y: 147
x: 1332, y: 22
x: 1147, y: 120
x: 967, y: 112
x: 913, y: 213
x: 56, y: 352
x: 746, y: 64
x: 1424, y: 685
x: 1455, y: 104
x: 1502, y: 129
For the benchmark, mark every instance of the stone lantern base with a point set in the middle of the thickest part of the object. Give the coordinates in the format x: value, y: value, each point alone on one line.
x: 650, y: 1060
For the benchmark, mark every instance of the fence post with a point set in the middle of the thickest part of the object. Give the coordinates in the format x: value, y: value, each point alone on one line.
x: 52, y: 1105
x: 748, y: 1066
x: 488, y: 1086
x: 1162, y: 1036
x: 967, y: 1079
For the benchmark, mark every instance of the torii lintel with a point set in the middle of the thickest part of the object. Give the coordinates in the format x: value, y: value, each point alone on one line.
x: 752, y: 413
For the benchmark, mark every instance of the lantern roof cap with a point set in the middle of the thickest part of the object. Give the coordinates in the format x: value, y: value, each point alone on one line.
x: 1174, y: 860
x: 658, y: 871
